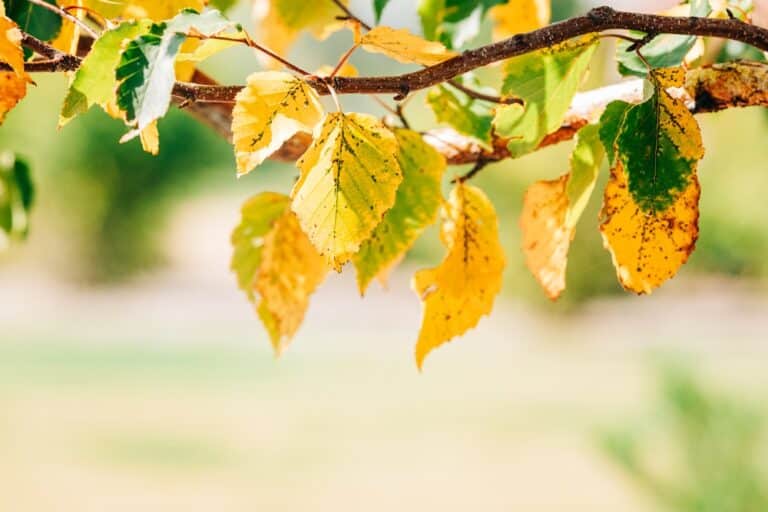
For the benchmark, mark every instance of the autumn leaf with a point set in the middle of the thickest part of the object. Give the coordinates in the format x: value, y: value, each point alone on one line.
x: 94, y: 82
x: 462, y: 289
x: 650, y: 211
x: 279, y: 23
x: 272, y: 108
x: 416, y: 206
x: 466, y: 115
x: 546, y: 80
x: 276, y: 265
x: 518, y: 16
x: 403, y: 46
x: 13, y: 84
x: 349, y: 178
x: 551, y: 210
x: 146, y: 72
x: 33, y: 19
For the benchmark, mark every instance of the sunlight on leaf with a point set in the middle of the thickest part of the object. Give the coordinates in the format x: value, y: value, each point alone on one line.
x: 403, y: 46
x: 463, y: 288
x: 349, y: 178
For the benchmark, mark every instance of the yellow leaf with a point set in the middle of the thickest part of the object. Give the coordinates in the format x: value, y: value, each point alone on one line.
x: 463, y: 288
x: 272, y: 108
x: 346, y: 70
x: 551, y: 210
x: 349, y: 178
x: 279, y: 23
x: 150, y: 139
x: 12, y: 91
x: 519, y: 16
x: 648, y: 247
x: 13, y: 84
x: 291, y: 269
x: 276, y: 265
x: 403, y: 46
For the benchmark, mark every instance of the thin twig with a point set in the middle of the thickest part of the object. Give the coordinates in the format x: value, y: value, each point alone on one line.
x: 256, y: 46
x: 343, y: 60
x: 349, y: 15
x: 482, y: 96
x: 481, y: 164
x: 64, y: 14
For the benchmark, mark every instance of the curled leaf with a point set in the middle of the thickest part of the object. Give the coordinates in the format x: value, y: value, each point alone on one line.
x: 462, y: 289
x: 272, y: 108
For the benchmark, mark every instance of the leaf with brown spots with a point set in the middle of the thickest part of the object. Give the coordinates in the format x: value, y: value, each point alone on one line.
x: 13, y: 84
x: 271, y: 109
x: 349, y: 178
x: 462, y: 289
x: 551, y: 210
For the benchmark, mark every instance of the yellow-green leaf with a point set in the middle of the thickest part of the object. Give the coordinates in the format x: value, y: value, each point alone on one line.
x: 272, y: 108
x: 463, y: 288
x: 279, y: 23
x: 648, y: 247
x: 416, y: 206
x: 547, y: 81
x: 349, y: 178
x: 518, y: 16
x: 403, y: 46
x: 551, y: 210
x: 276, y: 265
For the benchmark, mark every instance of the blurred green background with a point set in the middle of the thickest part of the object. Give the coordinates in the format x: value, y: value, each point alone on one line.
x: 134, y: 376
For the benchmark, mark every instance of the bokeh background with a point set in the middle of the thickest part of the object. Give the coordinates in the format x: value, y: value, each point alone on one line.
x: 135, y: 376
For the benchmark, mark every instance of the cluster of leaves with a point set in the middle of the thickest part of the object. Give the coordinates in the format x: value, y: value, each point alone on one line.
x: 366, y: 189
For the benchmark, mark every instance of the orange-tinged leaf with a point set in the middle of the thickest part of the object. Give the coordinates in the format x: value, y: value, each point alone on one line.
x: 462, y: 289
x: 648, y: 247
x: 518, y: 16
x: 13, y: 84
x: 551, y: 210
x: 272, y: 108
x: 403, y: 46
x: 150, y: 139
x: 12, y: 91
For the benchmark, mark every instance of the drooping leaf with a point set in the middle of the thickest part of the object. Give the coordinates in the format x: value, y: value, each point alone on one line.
x: 462, y: 289
x: 648, y: 247
x: 34, y: 20
x: 466, y: 115
x: 280, y: 22
x: 551, y: 210
x: 416, y: 206
x: 665, y: 50
x: 276, y: 265
x: 95, y: 82
x: 349, y: 178
x: 519, y: 16
x: 146, y: 72
x: 650, y: 212
x: 16, y: 198
x: 378, y: 8
x: 13, y: 84
x: 547, y: 81
x: 453, y: 22
x: 401, y: 45
x: 272, y: 108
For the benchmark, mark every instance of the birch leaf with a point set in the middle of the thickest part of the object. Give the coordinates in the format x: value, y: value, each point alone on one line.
x: 349, y: 178
x: 13, y: 84
x: 466, y: 115
x: 463, y: 288
x: 546, y: 80
x: 276, y: 265
x: 551, y: 210
x: 403, y: 46
x: 272, y: 108
x: 519, y: 16
x: 416, y: 206
x: 650, y: 212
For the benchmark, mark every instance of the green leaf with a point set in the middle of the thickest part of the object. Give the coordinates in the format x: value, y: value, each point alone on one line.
x: 658, y: 142
x: 453, y: 22
x: 222, y: 5
x: 95, y: 81
x: 665, y: 50
x: 34, y: 20
x: 546, y: 80
x: 146, y: 72
x: 16, y: 198
x: 416, y: 205
x: 466, y: 115
x: 378, y: 8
